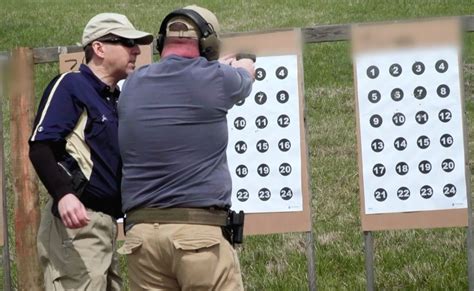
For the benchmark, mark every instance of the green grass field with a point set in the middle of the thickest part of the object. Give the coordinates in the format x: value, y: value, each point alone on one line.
x: 404, y: 260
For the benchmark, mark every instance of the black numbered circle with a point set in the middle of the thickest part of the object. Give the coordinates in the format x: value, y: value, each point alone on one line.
x: 242, y: 195
x: 403, y: 193
x: 240, y: 147
x: 262, y: 146
x: 377, y: 145
x: 285, y: 169
x: 241, y: 102
x: 398, y: 119
x: 424, y: 167
x: 418, y: 68
x: 264, y: 194
x: 419, y: 92
x: 282, y: 96
x: 423, y: 142
x: 263, y: 170
x: 401, y: 168
x: 372, y: 72
x: 421, y: 117
x: 397, y: 94
x: 240, y: 123
x: 283, y: 120
x: 374, y: 96
x: 441, y: 66
x: 241, y: 171
x: 426, y: 191
x: 376, y: 120
x: 261, y: 122
x: 260, y: 98
x: 443, y: 91
x: 286, y: 193
x: 380, y: 194
x: 449, y: 190
x: 379, y: 170
x: 395, y: 70
x: 445, y: 115
x: 281, y: 73
x: 400, y: 143
x: 260, y: 74
x: 447, y: 165
x: 284, y: 145
x: 446, y: 140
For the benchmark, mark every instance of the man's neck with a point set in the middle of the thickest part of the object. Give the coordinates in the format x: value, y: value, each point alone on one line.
x: 180, y: 49
x: 103, y: 75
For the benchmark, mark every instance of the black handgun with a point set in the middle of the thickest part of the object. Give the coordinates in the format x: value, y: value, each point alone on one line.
x: 246, y: 56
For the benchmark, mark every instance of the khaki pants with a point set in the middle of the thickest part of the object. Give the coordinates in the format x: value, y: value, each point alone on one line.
x: 180, y: 257
x: 78, y: 259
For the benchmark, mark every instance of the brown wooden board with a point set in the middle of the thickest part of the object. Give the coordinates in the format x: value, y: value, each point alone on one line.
x: 409, y: 40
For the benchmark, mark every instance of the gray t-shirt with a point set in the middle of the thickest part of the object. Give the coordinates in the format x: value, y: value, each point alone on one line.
x: 173, y: 133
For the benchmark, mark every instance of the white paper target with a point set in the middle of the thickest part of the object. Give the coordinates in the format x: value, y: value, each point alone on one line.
x: 264, y: 151
x: 411, y: 130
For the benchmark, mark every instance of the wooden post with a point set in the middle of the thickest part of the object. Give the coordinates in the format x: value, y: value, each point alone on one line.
x: 311, y: 261
x: 3, y: 194
x: 369, y: 260
x: 27, y: 212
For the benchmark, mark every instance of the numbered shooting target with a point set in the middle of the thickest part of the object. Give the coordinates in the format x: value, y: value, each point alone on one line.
x: 265, y: 162
x: 411, y: 130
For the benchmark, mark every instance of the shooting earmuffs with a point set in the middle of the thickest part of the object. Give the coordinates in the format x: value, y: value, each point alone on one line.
x: 208, y: 42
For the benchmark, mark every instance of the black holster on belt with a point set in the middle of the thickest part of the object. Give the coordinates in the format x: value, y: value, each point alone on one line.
x: 234, y: 229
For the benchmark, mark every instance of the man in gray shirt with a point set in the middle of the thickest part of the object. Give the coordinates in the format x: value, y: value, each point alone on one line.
x: 176, y: 185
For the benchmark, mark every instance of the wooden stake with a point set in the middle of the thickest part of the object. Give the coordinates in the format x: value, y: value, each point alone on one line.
x: 27, y: 212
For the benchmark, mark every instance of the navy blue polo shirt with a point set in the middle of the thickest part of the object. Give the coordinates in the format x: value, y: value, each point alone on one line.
x: 79, y: 110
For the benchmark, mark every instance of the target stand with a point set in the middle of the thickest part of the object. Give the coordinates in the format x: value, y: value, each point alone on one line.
x: 412, y: 144
x: 267, y: 151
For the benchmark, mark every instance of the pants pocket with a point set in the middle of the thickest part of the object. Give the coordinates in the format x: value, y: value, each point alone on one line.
x: 131, y: 245
x: 196, y: 237
x: 197, y: 257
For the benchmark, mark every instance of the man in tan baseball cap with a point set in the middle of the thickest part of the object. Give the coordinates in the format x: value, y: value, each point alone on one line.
x: 177, y: 192
x: 74, y: 150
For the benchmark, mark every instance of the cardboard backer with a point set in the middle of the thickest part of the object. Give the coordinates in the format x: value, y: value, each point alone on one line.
x: 432, y: 37
x: 278, y: 44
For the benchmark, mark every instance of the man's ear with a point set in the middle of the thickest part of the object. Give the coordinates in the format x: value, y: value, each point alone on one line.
x: 98, y: 48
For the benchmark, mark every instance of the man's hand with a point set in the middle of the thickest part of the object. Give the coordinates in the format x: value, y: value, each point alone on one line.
x: 72, y: 211
x: 247, y: 64
x: 227, y: 59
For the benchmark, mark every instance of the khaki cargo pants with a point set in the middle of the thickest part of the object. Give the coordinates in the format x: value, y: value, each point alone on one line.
x: 180, y: 257
x: 79, y: 259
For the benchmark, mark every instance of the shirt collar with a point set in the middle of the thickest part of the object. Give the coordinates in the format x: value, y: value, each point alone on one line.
x: 101, y: 88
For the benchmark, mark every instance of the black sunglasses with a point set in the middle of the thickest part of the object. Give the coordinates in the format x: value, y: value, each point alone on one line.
x: 126, y: 42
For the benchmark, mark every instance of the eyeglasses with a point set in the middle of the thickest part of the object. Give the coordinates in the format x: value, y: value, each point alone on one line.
x: 120, y: 40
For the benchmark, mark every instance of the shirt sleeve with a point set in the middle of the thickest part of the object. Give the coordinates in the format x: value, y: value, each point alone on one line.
x: 59, y: 110
x: 237, y: 83
x: 43, y: 156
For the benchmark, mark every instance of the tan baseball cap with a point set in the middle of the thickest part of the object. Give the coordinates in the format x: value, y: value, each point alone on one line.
x: 193, y: 30
x: 113, y: 23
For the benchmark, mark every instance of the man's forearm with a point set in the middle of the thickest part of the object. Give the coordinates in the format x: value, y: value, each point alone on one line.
x: 54, y: 177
